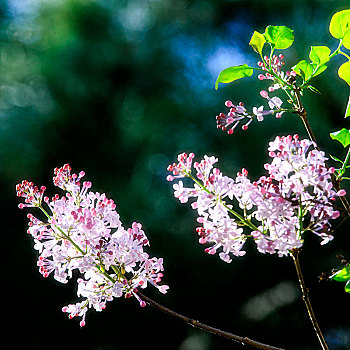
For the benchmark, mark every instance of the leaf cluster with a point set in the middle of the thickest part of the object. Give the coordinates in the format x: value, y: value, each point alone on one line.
x: 282, y: 37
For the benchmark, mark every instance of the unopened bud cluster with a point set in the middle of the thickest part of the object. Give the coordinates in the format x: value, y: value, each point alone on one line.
x: 238, y: 113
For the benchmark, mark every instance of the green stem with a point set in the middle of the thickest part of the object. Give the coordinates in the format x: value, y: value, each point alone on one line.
x: 337, y: 50
x: 63, y: 233
x: 100, y: 268
x: 300, y: 213
x: 342, y: 169
x: 247, y: 222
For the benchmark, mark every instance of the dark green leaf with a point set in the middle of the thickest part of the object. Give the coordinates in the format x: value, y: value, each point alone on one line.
x: 312, y: 88
x: 343, y: 136
x: 280, y: 37
x: 231, y: 74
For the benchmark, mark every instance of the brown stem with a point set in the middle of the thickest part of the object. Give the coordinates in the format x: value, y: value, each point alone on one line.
x: 197, y: 324
x: 305, y: 295
x: 343, y: 199
x: 301, y: 111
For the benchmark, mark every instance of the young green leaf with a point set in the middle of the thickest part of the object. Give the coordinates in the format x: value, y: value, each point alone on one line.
x: 231, y: 74
x: 313, y: 89
x: 347, y: 287
x: 280, y: 37
x: 346, y: 40
x: 339, y: 26
x: 344, y: 72
x: 336, y: 159
x: 343, y: 136
x: 319, y: 54
x: 317, y: 69
x: 257, y: 42
x: 347, y: 111
x: 304, y: 69
x: 342, y: 275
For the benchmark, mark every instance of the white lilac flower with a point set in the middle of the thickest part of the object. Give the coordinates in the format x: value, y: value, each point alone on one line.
x: 83, y: 233
x: 296, y: 196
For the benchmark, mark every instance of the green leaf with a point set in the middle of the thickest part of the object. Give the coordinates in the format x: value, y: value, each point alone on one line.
x: 318, y: 69
x: 280, y: 37
x: 304, y: 69
x: 346, y: 40
x: 313, y: 89
x: 340, y: 25
x: 344, y: 72
x: 319, y: 54
x: 336, y: 159
x: 342, y: 275
x: 231, y: 74
x: 257, y: 42
x: 347, y: 111
x: 343, y: 136
x: 347, y: 287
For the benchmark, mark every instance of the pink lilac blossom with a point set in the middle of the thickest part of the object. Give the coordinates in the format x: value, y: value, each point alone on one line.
x: 296, y: 196
x: 83, y: 233
x: 238, y: 113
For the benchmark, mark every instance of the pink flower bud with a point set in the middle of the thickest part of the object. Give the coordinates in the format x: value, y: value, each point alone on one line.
x: 341, y: 193
x: 264, y: 94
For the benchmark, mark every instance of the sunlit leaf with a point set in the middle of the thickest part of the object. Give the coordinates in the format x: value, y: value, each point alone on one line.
x: 257, y: 42
x: 280, y: 37
x: 319, y: 54
x: 318, y: 69
x: 347, y: 111
x: 347, y: 287
x: 342, y: 275
x: 344, y: 72
x: 340, y: 24
x: 304, y: 69
x: 346, y: 40
x: 231, y: 74
x: 343, y: 136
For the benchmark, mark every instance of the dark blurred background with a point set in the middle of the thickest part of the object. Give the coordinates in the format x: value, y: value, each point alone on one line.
x: 118, y: 89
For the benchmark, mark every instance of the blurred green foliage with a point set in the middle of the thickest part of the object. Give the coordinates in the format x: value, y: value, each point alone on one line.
x: 118, y: 89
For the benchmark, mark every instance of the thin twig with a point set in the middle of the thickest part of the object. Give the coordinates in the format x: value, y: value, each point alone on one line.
x: 200, y: 325
x: 305, y: 295
x: 301, y: 111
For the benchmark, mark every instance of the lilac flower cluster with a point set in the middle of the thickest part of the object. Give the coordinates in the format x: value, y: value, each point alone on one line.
x: 83, y: 232
x: 296, y: 196
x: 238, y: 113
